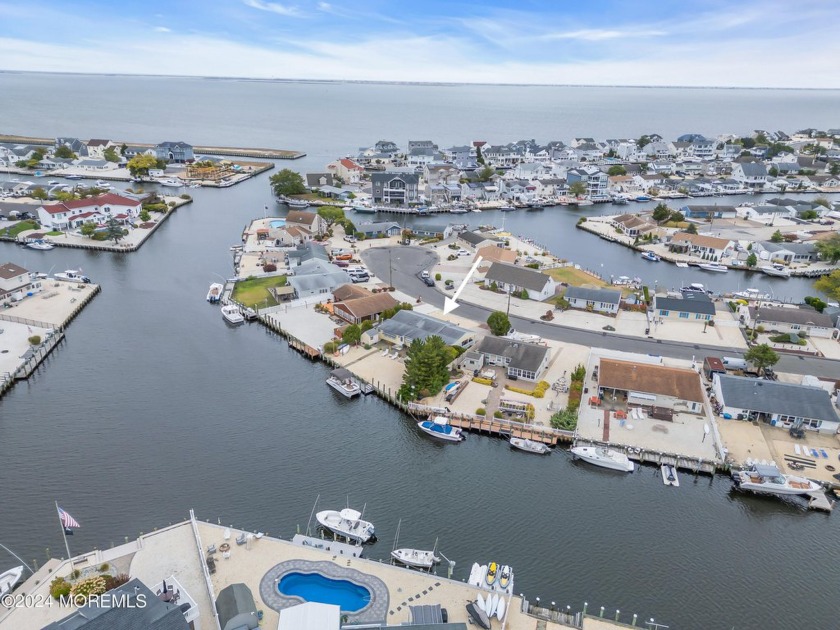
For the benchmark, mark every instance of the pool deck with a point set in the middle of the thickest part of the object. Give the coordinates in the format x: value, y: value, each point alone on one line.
x: 178, y: 551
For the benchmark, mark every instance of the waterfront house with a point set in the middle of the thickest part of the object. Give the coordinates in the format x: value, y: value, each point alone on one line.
x: 690, y: 307
x: 14, y: 280
x: 179, y: 152
x: 632, y: 225
x: 315, y: 181
x: 432, y: 230
x: 694, y: 211
x: 314, y: 278
x: 74, y: 144
x: 522, y: 360
x: 513, y: 279
x: 90, y: 164
x: 786, y: 252
x: 597, y: 182
x: 346, y: 170
x: 312, y: 221
x: 766, y: 214
x: 306, y: 252
x: 651, y: 386
x: 386, y: 146
x: 395, y: 188
x: 97, y: 147
x: 382, y: 229
x: 370, y: 307
x: 702, y: 245
x: 604, y: 301
x: 784, y: 405
x: 479, y: 239
x: 286, y: 236
x: 153, y: 614
x: 802, y: 320
x: 406, y: 326
x: 133, y: 150
x: 493, y: 253
x: 441, y: 174
x: 749, y: 174
x: 420, y: 157
x: 71, y: 214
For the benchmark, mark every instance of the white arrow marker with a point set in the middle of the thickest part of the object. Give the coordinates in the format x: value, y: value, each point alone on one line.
x: 450, y: 304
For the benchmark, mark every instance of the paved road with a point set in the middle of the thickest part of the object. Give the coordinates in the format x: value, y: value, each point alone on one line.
x: 407, y: 262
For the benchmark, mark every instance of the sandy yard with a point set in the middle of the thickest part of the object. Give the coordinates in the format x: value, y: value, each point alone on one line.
x: 54, y: 304
x: 14, y: 342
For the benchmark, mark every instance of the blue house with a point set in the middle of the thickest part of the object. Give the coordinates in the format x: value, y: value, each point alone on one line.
x: 179, y: 152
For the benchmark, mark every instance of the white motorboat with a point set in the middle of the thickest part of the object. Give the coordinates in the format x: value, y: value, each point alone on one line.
x: 9, y: 579
x: 777, y: 271
x: 417, y: 558
x: 694, y: 287
x: 231, y: 314
x: 683, y: 265
x: 751, y: 294
x: 714, y: 267
x: 171, y: 182
x: 103, y: 185
x: 650, y: 256
x: 72, y: 275
x: 40, y: 245
x: 347, y: 523
x: 529, y: 446
x: 342, y: 381
x: 440, y: 428
x: 215, y: 293
x: 669, y: 475
x: 249, y: 314
x: 53, y: 182
x: 74, y: 177
x: 767, y: 479
x: 296, y: 203
x: 604, y: 457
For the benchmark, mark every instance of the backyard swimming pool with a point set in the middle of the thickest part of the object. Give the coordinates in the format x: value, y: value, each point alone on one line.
x: 278, y: 223
x: 314, y: 587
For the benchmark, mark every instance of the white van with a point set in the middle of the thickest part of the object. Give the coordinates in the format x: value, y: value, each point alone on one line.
x: 734, y: 363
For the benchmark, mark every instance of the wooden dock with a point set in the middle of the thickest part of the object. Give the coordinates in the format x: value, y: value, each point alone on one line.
x: 819, y: 501
x: 508, y: 428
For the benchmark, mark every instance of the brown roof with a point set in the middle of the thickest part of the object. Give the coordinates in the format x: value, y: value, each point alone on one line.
x: 631, y: 221
x: 367, y: 306
x: 299, y: 216
x: 11, y: 270
x: 349, y: 292
x: 650, y: 379
x: 491, y: 253
x: 297, y: 230
x: 701, y: 240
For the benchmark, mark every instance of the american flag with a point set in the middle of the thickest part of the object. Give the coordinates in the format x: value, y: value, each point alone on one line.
x: 67, y: 520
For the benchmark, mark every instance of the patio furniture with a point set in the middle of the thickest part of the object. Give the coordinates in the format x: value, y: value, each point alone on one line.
x: 211, y: 549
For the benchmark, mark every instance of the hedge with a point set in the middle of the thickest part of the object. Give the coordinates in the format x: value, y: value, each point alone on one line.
x: 482, y: 381
x: 538, y: 391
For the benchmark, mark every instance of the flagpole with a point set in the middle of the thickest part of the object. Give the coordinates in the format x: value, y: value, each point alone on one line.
x: 63, y: 531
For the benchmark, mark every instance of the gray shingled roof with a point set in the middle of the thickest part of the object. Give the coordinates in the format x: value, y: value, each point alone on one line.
x: 753, y: 169
x: 593, y: 295
x: 776, y: 397
x: 685, y: 305
x: 523, y: 356
x: 316, y: 282
x: 236, y: 608
x: 155, y: 615
x: 517, y: 276
x: 474, y: 238
x: 412, y: 325
x: 801, y: 316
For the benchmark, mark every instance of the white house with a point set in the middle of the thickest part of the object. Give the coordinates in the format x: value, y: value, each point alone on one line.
x: 791, y: 319
x: 708, y: 247
x: 347, y: 170
x: 750, y: 174
x: 13, y: 279
x: 71, y: 214
x: 597, y: 300
x: 513, y: 279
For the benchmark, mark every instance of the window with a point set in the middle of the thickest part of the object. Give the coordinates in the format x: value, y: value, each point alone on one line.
x: 683, y: 315
x: 663, y: 313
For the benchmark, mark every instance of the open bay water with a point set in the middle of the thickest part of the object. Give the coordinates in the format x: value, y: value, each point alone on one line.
x: 153, y: 405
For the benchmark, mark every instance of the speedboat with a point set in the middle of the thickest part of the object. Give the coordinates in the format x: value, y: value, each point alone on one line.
x: 9, y: 579
x: 529, y: 446
x: 231, y: 314
x: 767, y: 479
x: 215, y: 293
x: 72, y: 275
x: 53, y: 182
x: 651, y: 257
x: 73, y: 177
x: 171, y: 182
x: 492, y: 574
x: 694, y: 287
x: 751, y: 294
x: 347, y: 523
x: 507, y: 208
x: 297, y: 203
x: 604, y: 457
x: 669, y: 475
x: 683, y: 265
x: 40, y: 244
x: 415, y: 558
x: 777, y: 271
x: 440, y: 428
x: 505, y: 577
x: 714, y: 267
x: 103, y: 184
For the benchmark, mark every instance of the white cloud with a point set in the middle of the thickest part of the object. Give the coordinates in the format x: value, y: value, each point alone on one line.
x: 274, y: 7
x: 597, y: 35
x: 162, y: 29
x: 325, y: 6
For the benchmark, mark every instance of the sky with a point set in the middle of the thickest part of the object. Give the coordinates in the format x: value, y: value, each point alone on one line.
x: 725, y: 43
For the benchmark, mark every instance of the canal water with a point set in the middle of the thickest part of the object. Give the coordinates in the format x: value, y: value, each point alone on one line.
x: 153, y: 405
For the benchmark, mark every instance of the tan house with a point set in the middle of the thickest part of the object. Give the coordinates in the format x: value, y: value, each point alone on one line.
x: 632, y: 225
x: 312, y: 222
x: 491, y: 253
x: 711, y: 247
x: 370, y: 307
x: 13, y: 279
x: 650, y: 385
x: 347, y: 170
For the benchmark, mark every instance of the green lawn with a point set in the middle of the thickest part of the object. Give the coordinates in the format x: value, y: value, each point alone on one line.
x: 575, y: 277
x: 55, y: 233
x: 19, y: 227
x: 254, y: 292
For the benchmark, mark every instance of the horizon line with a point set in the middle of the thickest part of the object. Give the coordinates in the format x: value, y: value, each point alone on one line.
x: 409, y: 83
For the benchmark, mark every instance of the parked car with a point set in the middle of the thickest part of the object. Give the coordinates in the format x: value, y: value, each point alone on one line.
x: 424, y: 274
x: 429, y: 281
x: 463, y: 252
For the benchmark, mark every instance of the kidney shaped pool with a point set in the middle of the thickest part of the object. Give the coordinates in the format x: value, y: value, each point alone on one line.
x: 314, y: 587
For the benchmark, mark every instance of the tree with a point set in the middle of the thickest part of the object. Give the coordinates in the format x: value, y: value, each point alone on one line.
x: 818, y: 304
x: 331, y: 214
x: 352, y: 334
x: 809, y: 215
x: 777, y: 237
x: 111, y: 155
x: 617, y: 169
x: 752, y: 260
x: 834, y: 169
x: 761, y: 356
x: 486, y: 174
x: 577, y: 189
x: 661, y: 212
x: 822, y: 201
x: 287, y: 182
x: 139, y: 165
x: 499, y: 323
x: 39, y: 193
x: 64, y: 152
x: 426, y: 368
x: 691, y: 229
x: 114, y: 230
x: 677, y: 216
x: 88, y: 228
x: 367, y: 325
x: 478, y: 156
x: 829, y: 249
x: 643, y: 142
x: 830, y: 285
x: 747, y: 143
x: 123, y: 148
x: 774, y: 172
x: 144, y: 215
x: 64, y: 196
